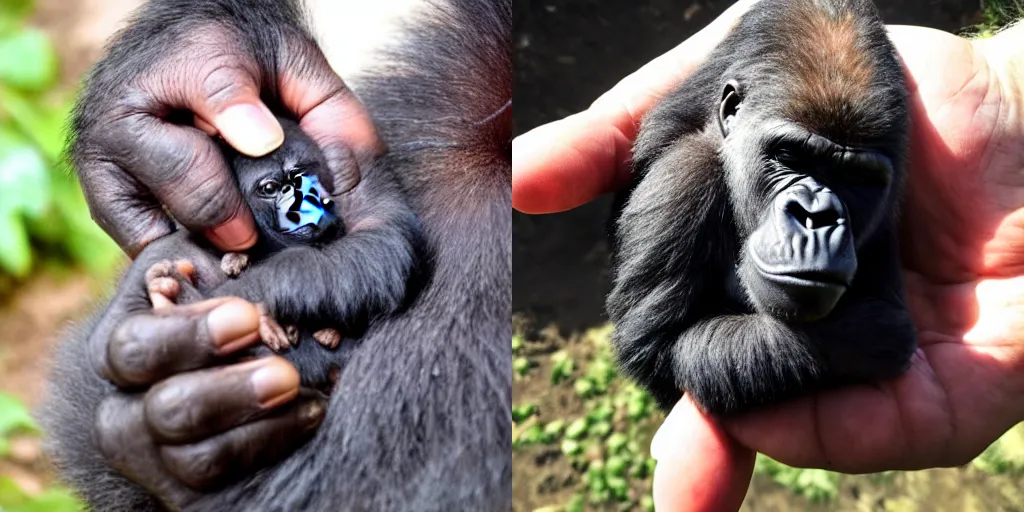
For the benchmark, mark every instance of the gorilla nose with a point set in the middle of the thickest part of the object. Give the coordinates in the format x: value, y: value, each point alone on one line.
x: 814, y: 208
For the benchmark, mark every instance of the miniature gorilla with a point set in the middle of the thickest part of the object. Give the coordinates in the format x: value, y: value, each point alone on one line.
x: 324, y: 277
x: 419, y: 418
x: 755, y: 252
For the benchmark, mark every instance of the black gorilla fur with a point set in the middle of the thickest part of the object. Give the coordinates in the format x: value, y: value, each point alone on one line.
x: 420, y: 418
x: 755, y: 252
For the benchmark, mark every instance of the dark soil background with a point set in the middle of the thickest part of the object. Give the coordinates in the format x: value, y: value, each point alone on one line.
x: 567, y: 52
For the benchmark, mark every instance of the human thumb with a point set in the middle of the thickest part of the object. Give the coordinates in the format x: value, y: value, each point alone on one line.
x: 700, y: 468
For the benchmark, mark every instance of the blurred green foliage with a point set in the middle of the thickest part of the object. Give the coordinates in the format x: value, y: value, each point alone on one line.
x: 996, y: 14
x: 15, y: 419
x: 43, y: 215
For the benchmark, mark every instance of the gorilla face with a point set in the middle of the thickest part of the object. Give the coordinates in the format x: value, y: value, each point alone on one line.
x: 802, y: 203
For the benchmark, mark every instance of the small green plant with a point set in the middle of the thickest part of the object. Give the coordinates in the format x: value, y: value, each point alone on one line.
x: 42, y: 210
x: 523, y: 412
x: 562, y: 367
x: 996, y: 14
x: 521, y: 366
x: 517, y: 344
x: 1006, y: 455
x: 814, y: 484
x: 14, y: 419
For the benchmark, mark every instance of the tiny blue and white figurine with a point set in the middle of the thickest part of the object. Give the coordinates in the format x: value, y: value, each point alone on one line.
x: 302, y: 202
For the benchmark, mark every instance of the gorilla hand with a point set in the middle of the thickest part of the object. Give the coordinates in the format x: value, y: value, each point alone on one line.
x: 134, y: 150
x: 176, y: 425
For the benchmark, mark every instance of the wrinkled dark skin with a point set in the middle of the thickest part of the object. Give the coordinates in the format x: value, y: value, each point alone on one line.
x: 194, y: 423
x: 156, y: 426
x: 142, y: 417
x: 188, y: 80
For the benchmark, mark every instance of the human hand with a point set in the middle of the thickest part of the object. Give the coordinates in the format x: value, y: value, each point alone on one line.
x: 177, y: 424
x: 135, y: 152
x: 963, y: 254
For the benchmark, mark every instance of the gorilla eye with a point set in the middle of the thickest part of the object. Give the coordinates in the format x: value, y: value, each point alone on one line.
x: 268, y: 188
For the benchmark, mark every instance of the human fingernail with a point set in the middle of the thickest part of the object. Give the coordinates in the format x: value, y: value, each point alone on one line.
x: 251, y: 129
x: 237, y: 234
x: 275, y: 383
x: 233, y: 324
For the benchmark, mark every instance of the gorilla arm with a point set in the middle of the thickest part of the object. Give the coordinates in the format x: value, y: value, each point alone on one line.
x: 369, y: 272
x: 669, y: 266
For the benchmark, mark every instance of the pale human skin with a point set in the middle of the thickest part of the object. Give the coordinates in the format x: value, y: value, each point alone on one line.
x: 963, y: 248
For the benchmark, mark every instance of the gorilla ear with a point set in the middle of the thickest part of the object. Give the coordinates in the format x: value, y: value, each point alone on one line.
x: 730, y: 105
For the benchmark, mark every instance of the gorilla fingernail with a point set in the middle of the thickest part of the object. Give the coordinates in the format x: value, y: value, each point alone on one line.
x: 250, y: 129
x: 275, y: 383
x: 232, y: 323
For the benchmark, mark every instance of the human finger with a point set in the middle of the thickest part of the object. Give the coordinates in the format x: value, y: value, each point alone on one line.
x: 135, y: 155
x: 700, y: 468
x: 569, y: 162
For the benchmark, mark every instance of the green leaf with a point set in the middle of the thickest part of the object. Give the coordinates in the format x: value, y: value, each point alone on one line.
x: 15, y: 251
x: 577, y: 429
x: 13, y: 14
x: 56, y: 499
x: 14, y: 416
x: 11, y: 494
x: 44, y: 125
x: 28, y: 61
x: 53, y: 500
x: 523, y: 412
x: 24, y: 181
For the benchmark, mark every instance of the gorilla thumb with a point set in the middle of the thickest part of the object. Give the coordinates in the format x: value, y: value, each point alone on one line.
x: 250, y: 128
x: 226, y: 99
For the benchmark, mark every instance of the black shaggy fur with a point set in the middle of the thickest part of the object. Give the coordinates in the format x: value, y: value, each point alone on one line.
x: 420, y: 418
x: 684, y: 319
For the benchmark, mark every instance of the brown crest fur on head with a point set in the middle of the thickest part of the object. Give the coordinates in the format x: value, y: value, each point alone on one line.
x: 832, y: 73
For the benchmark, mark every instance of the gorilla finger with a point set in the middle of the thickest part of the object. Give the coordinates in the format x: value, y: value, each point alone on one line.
x: 193, y: 406
x: 121, y: 432
x: 187, y: 172
x: 149, y: 347
x: 217, y: 78
x: 120, y: 204
x: 211, y: 463
x: 330, y: 113
x: 163, y: 292
x: 229, y: 102
x: 123, y: 439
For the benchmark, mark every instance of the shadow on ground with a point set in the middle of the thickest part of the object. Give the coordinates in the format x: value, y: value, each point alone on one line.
x: 567, y: 52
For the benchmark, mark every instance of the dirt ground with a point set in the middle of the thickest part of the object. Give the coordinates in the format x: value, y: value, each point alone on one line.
x: 544, y: 477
